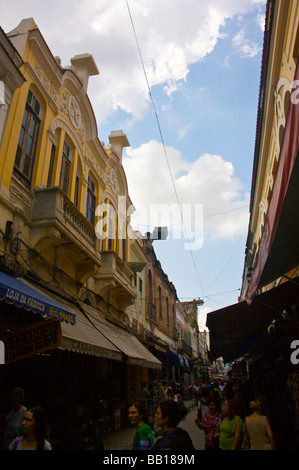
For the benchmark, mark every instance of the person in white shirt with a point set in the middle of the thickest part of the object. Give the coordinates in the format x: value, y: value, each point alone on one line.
x: 15, y: 417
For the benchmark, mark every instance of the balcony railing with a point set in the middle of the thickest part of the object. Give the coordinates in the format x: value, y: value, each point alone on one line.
x: 51, y: 207
x: 185, y: 347
x: 115, y: 277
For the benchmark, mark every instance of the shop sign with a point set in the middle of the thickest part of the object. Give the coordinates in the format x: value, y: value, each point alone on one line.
x: 46, y: 310
x: 62, y: 316
x: 29, y: 341
x: 91, y: 349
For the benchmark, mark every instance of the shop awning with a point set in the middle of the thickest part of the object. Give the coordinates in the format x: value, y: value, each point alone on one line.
x: 173, y: 359
x: 19, y: 293
x: 80, y: 336
x: 136, y: 353
x: 85, y: 338
x: 234, y: 326
x: 278, y: 250
x: 177, y: 360
x: 255, y: 348
x: 183, y: 361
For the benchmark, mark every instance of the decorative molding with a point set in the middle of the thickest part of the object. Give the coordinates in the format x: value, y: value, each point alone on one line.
x: 283, y: 87
x: 70, y: 107
x: 111, y: 180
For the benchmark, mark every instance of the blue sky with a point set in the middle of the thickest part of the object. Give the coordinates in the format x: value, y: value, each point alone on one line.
x: 202, y: 60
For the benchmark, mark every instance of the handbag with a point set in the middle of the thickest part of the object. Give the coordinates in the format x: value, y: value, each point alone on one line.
x: 16, y: 443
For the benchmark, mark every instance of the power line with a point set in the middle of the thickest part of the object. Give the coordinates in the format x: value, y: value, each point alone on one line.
x: 227, y: 262
x: 162, y: 139
x: 203, y: 217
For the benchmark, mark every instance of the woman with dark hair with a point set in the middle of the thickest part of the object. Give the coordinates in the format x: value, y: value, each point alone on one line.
x: 145, y: 436
x: 35, y: 431
x: 211, y: 422
x: 231, y: 428
x: 167, y: 417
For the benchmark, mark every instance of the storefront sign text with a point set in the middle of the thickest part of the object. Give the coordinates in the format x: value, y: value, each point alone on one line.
x: 29, y: 341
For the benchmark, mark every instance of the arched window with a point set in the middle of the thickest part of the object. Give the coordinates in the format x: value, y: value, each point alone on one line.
x: 91, y: 201
x: 25, y: 156
x: 167, y: 310
x: 111, y: 226
x: 65, y: 167
x: 150, y: 286
x: 151, y: 306
x: 52, y: 160
x: 77, y: 183
x: 160, y: 303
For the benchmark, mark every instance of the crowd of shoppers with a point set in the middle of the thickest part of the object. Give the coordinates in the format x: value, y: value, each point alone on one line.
x: 229, y: 423
x: 222, y: 414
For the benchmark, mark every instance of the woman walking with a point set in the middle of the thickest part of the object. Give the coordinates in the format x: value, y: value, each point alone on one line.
x: 34, y: 432
x: 167, y: 417
x: 231, y: 428
x: 145, y: 436
x: 211, y: 423
x: 258, y: 434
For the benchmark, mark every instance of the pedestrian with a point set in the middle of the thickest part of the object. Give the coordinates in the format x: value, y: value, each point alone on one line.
x: 80, y: 428
x: 98, y: 418
x: 34, y: 432
x: 210, y: 423
x: 167, y: 417
x: 165, y: 392
x: 258, y: 434
x: 231, y: 427
x: 14, y: 420
x: 202, y: 406
x: 222, y: 389
x: 195, y: 392
x: 145, y: 435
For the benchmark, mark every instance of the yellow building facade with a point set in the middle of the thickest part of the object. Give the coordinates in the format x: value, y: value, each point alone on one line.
x: 278, y: 88
x: 64, y: 195
x: 68, y: 262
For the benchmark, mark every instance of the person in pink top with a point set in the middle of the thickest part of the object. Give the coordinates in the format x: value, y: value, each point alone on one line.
x: 211, y: 423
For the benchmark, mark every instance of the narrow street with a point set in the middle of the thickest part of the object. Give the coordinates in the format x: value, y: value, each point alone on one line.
x: 197, y: 435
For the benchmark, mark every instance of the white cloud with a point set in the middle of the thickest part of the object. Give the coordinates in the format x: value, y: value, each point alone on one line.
x: 246, y: 47
x: 172, y: 36
x: 208, y: 183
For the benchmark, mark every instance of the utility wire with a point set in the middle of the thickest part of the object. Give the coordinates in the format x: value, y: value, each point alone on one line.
x: 227, y: 262
x: 204, y: 216
x: 162, y: 139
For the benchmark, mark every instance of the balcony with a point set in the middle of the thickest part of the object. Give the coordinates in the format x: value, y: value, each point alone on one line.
x: 56, y: 224
x: 114, y: 280
x: 184, y: 347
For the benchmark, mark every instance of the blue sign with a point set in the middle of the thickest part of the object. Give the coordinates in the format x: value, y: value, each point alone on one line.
x: 14, y: 291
